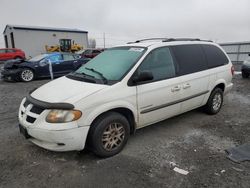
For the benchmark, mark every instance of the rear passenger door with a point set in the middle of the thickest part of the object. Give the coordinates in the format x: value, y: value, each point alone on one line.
x: 192, y: 69
x: 68, y: 63
x: 158, y: 99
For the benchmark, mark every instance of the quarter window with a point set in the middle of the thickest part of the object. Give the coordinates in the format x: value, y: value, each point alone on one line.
x: 190, y: 58
x: 215, y: 56
x: 160, y: 63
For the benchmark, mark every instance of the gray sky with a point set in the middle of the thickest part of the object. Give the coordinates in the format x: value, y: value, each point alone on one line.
x: 126, y: 20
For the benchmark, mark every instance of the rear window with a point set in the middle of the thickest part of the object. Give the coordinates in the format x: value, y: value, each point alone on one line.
x: 215, y: 56
x: 190, y: 58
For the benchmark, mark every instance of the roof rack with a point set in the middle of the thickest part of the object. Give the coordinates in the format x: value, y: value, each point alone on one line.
x: 170, y: 40
x: 148, y: 39
x: 185, y: 39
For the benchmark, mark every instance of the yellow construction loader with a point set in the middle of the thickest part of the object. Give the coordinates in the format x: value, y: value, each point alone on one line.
x: 65, y: 45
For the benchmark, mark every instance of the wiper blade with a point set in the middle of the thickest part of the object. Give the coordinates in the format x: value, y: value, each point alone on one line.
x: 82, y: 73
x: 105, y: 80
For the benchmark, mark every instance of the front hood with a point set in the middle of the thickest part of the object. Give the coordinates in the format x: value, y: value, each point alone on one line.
x: 66, y: 90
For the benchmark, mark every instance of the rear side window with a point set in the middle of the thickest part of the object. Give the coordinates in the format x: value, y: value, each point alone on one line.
x: 190, y: 58
x: 160, y: 63
x: 215, y: 56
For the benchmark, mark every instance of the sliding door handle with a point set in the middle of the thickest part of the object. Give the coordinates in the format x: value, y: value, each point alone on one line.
x: 186, y: 85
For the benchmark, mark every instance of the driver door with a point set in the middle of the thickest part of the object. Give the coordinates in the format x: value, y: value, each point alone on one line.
x: 157, y: 99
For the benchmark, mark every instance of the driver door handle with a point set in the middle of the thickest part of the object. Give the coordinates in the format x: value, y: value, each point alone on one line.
x: 176, y: 88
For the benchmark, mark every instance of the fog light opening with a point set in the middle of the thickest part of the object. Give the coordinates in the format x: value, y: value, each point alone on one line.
x: 60, y: 144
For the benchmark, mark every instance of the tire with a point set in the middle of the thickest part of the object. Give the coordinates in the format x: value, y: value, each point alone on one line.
x: 244, y: 75
x: 104, y: 133
x: 214, y: 102
x: 27, y: 75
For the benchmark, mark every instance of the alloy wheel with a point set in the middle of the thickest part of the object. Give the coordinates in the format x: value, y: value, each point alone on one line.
x: 113, y: 136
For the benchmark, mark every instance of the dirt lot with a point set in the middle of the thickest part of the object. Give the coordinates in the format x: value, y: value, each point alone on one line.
x: 194, y: 141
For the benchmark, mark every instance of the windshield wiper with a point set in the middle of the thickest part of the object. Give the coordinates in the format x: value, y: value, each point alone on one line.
x: 105, y: 80
x: 82, y: 73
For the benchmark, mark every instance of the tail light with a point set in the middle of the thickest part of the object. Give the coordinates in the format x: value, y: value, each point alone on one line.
x: 232, y: 70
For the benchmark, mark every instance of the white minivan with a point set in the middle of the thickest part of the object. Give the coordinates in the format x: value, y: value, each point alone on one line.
x: 123, y: 89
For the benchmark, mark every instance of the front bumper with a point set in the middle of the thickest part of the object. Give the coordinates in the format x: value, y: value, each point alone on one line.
x: 10, y: 74
x: 52, y: 136
x: 58, y: 140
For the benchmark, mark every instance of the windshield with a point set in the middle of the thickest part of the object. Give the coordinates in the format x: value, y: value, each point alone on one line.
x: 112, y: 64
x: 39, y: 57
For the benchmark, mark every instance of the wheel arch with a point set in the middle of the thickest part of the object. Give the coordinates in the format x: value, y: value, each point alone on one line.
x: 127, y: 112
x: 220, y: 84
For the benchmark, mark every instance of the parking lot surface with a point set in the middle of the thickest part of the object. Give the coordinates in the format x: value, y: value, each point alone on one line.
x: 193, y: 141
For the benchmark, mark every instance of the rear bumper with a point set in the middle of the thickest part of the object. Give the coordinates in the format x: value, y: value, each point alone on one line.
x: 228, y: 88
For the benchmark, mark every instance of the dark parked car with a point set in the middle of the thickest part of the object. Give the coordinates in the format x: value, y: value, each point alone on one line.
x: 245, y: 69
x: 11, y: 53
x: 91, y: 53
x: 39, y: 66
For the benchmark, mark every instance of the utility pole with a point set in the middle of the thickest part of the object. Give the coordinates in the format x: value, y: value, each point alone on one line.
x: 103, y: 40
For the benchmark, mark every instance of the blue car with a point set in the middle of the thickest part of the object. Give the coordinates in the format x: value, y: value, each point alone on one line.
x: 41, y: 66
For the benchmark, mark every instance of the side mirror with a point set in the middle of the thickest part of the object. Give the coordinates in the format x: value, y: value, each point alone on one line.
x: 143, y: 76
x: 44, y: 62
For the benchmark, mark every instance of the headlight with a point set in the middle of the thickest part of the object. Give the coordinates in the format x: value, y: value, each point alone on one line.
x: 63, y: 116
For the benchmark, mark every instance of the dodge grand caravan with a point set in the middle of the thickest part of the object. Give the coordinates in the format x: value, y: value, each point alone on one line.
x: 125, y: 88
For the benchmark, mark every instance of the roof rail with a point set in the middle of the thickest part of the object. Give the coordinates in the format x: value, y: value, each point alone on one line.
x: 185, y: 39
x: 148, y: 39
x: 170, y: 40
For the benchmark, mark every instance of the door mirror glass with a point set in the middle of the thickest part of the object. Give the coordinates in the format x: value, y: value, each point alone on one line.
x: 143, y: 76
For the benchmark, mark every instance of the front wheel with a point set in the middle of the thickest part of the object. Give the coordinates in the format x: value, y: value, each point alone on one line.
x: 26, y: 75
x: 214, y: 102
x: 109, y: 134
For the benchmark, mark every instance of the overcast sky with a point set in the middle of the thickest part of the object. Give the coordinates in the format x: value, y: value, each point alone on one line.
x: 126, y: 20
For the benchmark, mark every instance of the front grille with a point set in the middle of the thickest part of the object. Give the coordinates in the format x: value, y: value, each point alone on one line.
x: 30, y: 119
x: 36, y: 110
x: 30, y: 111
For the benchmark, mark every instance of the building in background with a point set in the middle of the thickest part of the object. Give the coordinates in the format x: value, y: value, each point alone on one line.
x: 32, y: 40
x: 237, y: 51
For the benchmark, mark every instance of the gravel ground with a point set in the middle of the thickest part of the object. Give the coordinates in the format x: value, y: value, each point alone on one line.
x: 193, y: 141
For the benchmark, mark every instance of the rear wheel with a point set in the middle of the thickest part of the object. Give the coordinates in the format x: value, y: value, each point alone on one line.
x: 244, y: 75
x: 214, y: 102
x: 109, y: 134
x: 26, y: 75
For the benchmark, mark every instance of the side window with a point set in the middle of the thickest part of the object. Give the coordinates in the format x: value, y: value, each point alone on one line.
x: 2, y: 51
x: 10, y: 51
x: 190, y: 58
x: 160, y: 63
x: 67, y: 57
x: 55, y: 58
x: 215, y: 56
x: 96, y: 51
